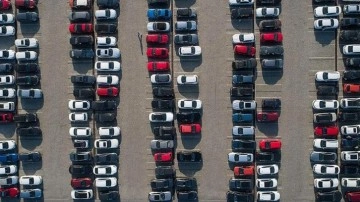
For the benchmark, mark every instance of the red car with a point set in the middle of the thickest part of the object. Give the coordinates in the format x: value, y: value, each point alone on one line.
x: 25, y: 4
x: 11, y: 192
x: 163, y: 157
x: 80, y: 28
x: 240, y: 171
x: 5, y: 118
x: 158, y: 66
x: 108, y: 91
x: 245, y: 50
x: 326, y: 131
x: 157, y: 38
x: 270, y: 144
x: 190, y: 128
x: 81, y: 183
x: 352, y: 196
x: 5, y: 4
x: 351, y: 88
x: 267, y: 116
x: 276, y: 37
x: 157, y: 52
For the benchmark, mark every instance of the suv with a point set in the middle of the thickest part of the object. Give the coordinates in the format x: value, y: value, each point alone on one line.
x: 27, y: 68
x: 271, y: 50
x: 102, y: 105
x: 83, y: 79
x: 84, y: 93
x: 352, y: 62
x: 163, y: 172
x: 243, y: 91
x: 350, y: 35
x: 188, y: 117
x: 27, y: 17
x: 25, y: 118
x: 244, y: 64
x: 162, y: 104
x: 349, y: 143
x: 163, y: 92
x: 273, y: 103
x: 241, y: 13
x: 27, y: 80
x: 350, y: 103
x: 236, y: 184
x: 328, y: 196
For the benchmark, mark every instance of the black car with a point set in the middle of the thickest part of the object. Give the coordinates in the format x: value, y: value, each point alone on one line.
x: 333, y: 196
x: 79, y: 16
x: 108, y: 3
x: 158, y: 2
x: 187, y: 196
x: 272, y: 63
x: 243, y: 91
x: 29, y: 131
x: 240, y: 145
x: 162, y: 184
x: 352, y: 62
x: 186, y: 39
x: 267, y: 25
x: 84, y: 40
x: 188, y: 117
x: 84, y: 93
x: 321, y: 1
x: 189, y: 156
x: 164, y: 132
x: 108, y: 195
x: 105, y: 117
x: 185, y: 184
x: 244, y: 64
x: 6, y: 68
x: 103, y: 105
x: 241, y: 184
x: 80, y: 156
x: 27, y: 80
x: 234, y: 196
x: 350, y: 35
x: 268, y: 2
x: 240, y: 79
x: 327, y: 90
x: 81, y: 170
x: 237, y: 13
x: 163, y: 172
x: 81, y: 53
x: 271, y: 50
x: 162, y: 104
x: 25, y: 118
x: 166, y: 92
x: 349, y: 116
x: 27, y: 17
x: 268, y: 157
x: 30, y: 157
x: 27, y: 68
x: 325, y: 118
x: 80, y: 144
x: 186, y: 13
x: 350, y: 144
x: 350, y: 170
x: 106, y: 28
x: 106, y: 158
x: 351, y: 75
x: 350, y: 23
x: 272, y: 103
x: 83, y: 79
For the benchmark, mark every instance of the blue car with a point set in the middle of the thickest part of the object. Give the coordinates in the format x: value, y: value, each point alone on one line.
x: 9, y: 158
x: 242, y: 118
x: 159, y: 14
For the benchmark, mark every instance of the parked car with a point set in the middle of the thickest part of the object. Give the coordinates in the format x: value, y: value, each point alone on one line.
x: 267, y: 25
x: 324, y: 118
x: 8, y: 181
x: 108, y: 3
x: 325, y: 144
x: 193, y: 128
x: 242, y: 132
x: 105, y: 170
x: 267, y: 116
x: 326, y: 90
x: 188, y: 117
x: 80, y: 4
x: 351, y: 9
x: 84, y: 93
x: 244, y: 171
x: 160, y: 196
x: 158, y: 66
x: 80, y: 131
x: 161, y: 144
x: 103, y: 105
x: 327, y: 11
x: 272, y: 169
x: 161, y: 117
x: 350, y: 75
x: 80, y: 156
x: 107, y: 80
x: 31, y: 193
x: 348, y: 116
x: 81, y: 144
x: 326, y: 183
x: 266, y: 183
x: 239, y: 196
x: 327, y: 76
x: 27, y: 17
x: 185, y: 184
x: 80, y: 28
x: 25, y: 4
x: 272, y: 37
x: 245, y: 50
x: 349, y: 23
x: 7, y: 93
x: 82, y: 194
x: 108, y: 53
x: 6, y: 117
x: 80, y: 183
x: 268, y: 195
x: 30, y: 93
x: 81, y: 53
x: 78, y: 117
x: 30, y: 180
x: 79, y: 16
x: 326, y: 131
x: 26, y: 43
x: 189, y: 104
x: 25, y: 118
x: 186, y: 39
x: 189, y: 156
x: 240, y: 3
x: 241, y: 79
x: 106, y: 182
x: 268, y: 157
x: 79, y: 105
x: 350, y: 143
x: 242, y: 117
x: 241, y: 145
x: 5, y: 4
x: 241, y: 185
x: 246, y: 91
x: 187, y: 80
x: 80, y: 170
x: 350, y: 36
x: 106, y: 28
x: 106, y: 41
x: 7, y: 30
x: 107, y: 66
x: 326, y: 23
x: 325, y: 169
x: 8, y: 169
x: 163, y: 172
x: 244, y: 105
x: 7, y: 106
x: 234, y: 157
x: 107, y: 91
x: 6, y: 68
x: 323, y: 157
x: 349, y: 157
x: 160, y: 78
x: 270, y: 144
x: 265, y: 12
x: 351, y: 88
x: 159, y: 14
x: 243, y: 38
x: 186, y: 13
x: 158, y: 38
x: 238, y: 13
x: 244, y: 64
x: 163, y: 157
x: 328, y: 196
x: 109, y: 131
x: 186, y: 26
x: 7, y: 54
x: 350, y: 103
x: 106, y: 158
x: 162, y: 104
x: 325, y: 104
x: 189, y: 51
x: 271, y: 50
x: 163, y: 92
x: 162, y: 184
x: 105, y: 14
x: 158, y: 27
x: 9, y: 158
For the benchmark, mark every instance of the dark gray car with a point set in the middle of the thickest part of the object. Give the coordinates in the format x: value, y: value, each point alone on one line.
x: 27, y: 17
x: 240, y: 79
x: 106, y: 158
x: 186, y: 39
x: 271, y: 50
x: 323, y: 157
x: 272, y: 63
x: 186, y: 13
x: 6, y: 68
x: 79, y: 16
x: 162, y: 184
x: 81, y: 53
x: 80, y: 156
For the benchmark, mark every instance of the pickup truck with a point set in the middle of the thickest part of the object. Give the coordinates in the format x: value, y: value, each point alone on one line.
x: 25, y: 118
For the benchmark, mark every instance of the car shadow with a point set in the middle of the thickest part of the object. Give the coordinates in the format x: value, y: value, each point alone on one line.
x: 8, y: 131
x: 243, y: 24
x: 191, y: 141
x: 82, y: 66
x: 189, y: 169
x: 30, y: 143
x: 189, y: 91
x: 188, y: 64
x: 325, y: 37
x: 31, y: 168
x: 269, y: 129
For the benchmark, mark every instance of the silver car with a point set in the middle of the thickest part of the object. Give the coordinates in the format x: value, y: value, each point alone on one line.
x: 186, y: 26
x: 9, y: 180
x: 160, y: 196
x: 162, y: 144
x: 30, y: 193
x: 243, y: 131
x: 235, y: 157
x: 30, y: 93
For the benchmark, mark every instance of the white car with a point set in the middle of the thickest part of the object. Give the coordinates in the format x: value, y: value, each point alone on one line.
x: 108, y: 52
x: 350, y: 130
x: 243, y: 131
x: 106, y: 182
x: 352, y: 9
x: 7, y: 106
x: 158, y: 27
x: 7, y: 31
x: 243, y: 38
x: 8, y: 169
x: 268, y: 196
x: 7, y: 145
x: 267, y: 169
x: 79, y: 105
x: 107, y: 80
x: 7, y: 80
x: 325, y: 143
x: 105, y: 170
x: 78, y: 116
x: 325, y: 76
x: 30, y: 180
x: 189, y: 104
x: 109, y: 131
x: 26, y: 55
x: 7, y: 54
x: 106, y: 41
x: 326, y: 169
x: 30, y: 93
x: 189, y: 51
x: 235, y: 157
x: 350, y: 182
x: 326, y: 183
x: 351, y: 49
x: 327, y: 11
x: 106, y: 14
x: 9, y: 180
x: 26, y: 43
x: 266, y: 183
x: 80, y: 131
x: 267, y: 12
x: 161, y: 117
x: 240, y: 2
x: 326, y: 23
x: 350, y: 103
x: 6, y: 18
x: 7, y: 93
x: 106, y: 143
x: 244, y: 105
x: 349, y: 156
x: 187, y: 80
x: 82, y: 194
x: 325, y: 104
x: 112, y: 66
x: 160, y: 78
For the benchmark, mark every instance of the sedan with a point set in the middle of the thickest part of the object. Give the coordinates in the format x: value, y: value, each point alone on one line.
x: 187, y: 79
x: 327, y: 11
x: 326, y: 183
x: 272, y: 37
x: 186, y: 39
x: 161, y: 144
x: 108, y: 53
x: 162, y: 184
x: 270, y: 144
x: 30, y: 180
x: 160, y: 78
x: 7, y: 31
x: 78, y: 117
x: 106, y: 14
x: 107, y: 66
x: 107, y: 80
x: 106, y: 182
x: 351, y: 9
x: 82, y: 194
x: 267, y: 116
x: 350, y: 156
x: 107, y: 91
x: 186, y: 26
x: 326, y: 169
x: 325, y: 104
x: 189, y: 104
x: 243, y: 131
x: 26, y: 55
x: 26, y: 43
x: 30, y: 193
x: 106, y: 158
x: 79, y: 105
x: 240, y: 2
x: 109, y: 131
x: 327, y: 76
x: 159, y: 14
x: 326, y: 131
x: 106, y: 41
x: 157, y: 52
x: 266, y: 183
x: 7, y: 145
x: 268, y: 195
x: 323, y: 157
x: 351, y: 88
x: 105, y: 170
x: 158, y: 66
x: 80, y: 156
x: 8, y: 180
x: 81, y: 53
x: 160, y: 196
x: 158, y: 27
x: 189, y: 51
x: 272, y: 169
x: 245, y: 50
x: 350, y: 130
x: 243, y: 38
x: 325, y: 144
x: 7, y: 93
x: 271, y: 50
x: 267, y: 12
x: 163, y: 157
x: 350, y: 103
x: 350, y: 182
x: 8, y: 169
x: 82, y: 28
x: 79, y: 183
x: 161, y: 117
x: 190, y: 128
x: 6, y: 18
x: 80, y: 131
x: 27, y: 17
x: 157, y: 38
x: 244, y: 105
x: 189, y: 156
x: 351, y: 75
x: 234, y: 157
x: 106, y: 143
x: 7, y: 80
x: 351, y: 49
x: 79, y: 16
x: 6, y: 117
x: 326, y: 23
